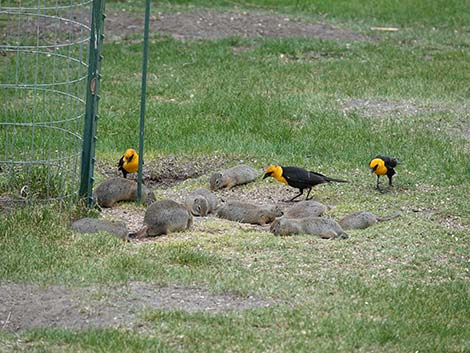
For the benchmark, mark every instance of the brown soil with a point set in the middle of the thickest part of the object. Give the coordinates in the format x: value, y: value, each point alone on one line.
x: 28, y: 306
x: 208, y: 24
x: 170, y: 170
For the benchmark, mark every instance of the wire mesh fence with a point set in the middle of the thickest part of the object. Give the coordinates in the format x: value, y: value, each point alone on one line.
x: 43, y: 74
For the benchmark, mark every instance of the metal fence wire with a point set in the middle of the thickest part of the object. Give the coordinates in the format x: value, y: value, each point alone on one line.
x: 43, y: 76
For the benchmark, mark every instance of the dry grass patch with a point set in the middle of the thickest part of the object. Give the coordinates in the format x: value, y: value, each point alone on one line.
x: 29, y: 306
x: 212, y: 25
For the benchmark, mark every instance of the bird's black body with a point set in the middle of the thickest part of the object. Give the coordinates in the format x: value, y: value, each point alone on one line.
x: 390, y: 164
x: 121, y: 167
x: 303, y: 179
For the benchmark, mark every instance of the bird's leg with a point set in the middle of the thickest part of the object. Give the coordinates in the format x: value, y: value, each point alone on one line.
x: 308, y: 193
x: 378, y: 185
x: 301, y: 192
x: 389, y: 180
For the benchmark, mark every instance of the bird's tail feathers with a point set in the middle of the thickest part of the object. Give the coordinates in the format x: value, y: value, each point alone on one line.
x: 336, y: 180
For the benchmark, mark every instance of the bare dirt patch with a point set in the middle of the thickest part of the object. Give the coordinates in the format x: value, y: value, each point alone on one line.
x: 169, y: 170
x: 173, y: 177
x: 193, y: 25
x: 378, y: 108
x: 269, y: 193
x: 212, y: 25
x: 28, y: 306
x: 454, y: 120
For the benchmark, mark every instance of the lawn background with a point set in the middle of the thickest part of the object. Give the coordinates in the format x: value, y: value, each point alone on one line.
x: 397, y: 287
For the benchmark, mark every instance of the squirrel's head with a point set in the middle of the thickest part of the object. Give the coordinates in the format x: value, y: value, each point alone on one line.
x: 216, y: 181
x: 276, y: 227
x: 200, y: 207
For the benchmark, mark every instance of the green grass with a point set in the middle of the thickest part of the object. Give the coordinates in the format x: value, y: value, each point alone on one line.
x: 386, y: 289
x: 290, y: 111
x: 440, y: 13
x: 401, y: 286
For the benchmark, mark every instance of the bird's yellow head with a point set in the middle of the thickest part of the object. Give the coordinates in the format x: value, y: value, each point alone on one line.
x: 130, y: 154
x: 377, y: 166
x: 130, y: 161
x: 274, y: 171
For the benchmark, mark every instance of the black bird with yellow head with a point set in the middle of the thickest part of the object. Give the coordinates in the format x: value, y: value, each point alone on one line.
x: 383, y: 165
x: 129, y: 162
x: 298, y: 178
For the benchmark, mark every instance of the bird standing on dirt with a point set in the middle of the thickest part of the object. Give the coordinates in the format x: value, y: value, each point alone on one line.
x: 298, y: 178
x: 129, y: 162
x: 383, y: 165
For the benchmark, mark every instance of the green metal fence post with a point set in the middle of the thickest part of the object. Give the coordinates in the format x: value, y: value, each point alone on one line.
x: 142, y: 100
x: 92, y: 99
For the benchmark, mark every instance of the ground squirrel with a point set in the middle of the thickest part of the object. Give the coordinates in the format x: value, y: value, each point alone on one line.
x: 95, y: 225
x: 163, y: 217
x: 117, y: 189
x: 326, y: 228
x: 248, y: 213
x: 240, y: 174
x: 201, y: 202
x: 307, y: 208
x: 363, y: 219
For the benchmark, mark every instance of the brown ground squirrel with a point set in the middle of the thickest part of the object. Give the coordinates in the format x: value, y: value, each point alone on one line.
x: 248, y: 213
x: 201, y: 202
x: 240, y: 174
x: 95, y: 225
x: 326, y: 228
x: 163, y: 217
x: 307, y: 208
x: 116, y: 189
x: 363, y: 219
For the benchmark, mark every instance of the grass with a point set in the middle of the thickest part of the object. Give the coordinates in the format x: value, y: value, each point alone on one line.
x: 399, y: 286
x: 389, y: 292
x: 445, y: 14
x: 290, y: 112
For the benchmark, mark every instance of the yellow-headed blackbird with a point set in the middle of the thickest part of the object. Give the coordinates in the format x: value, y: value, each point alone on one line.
x: 298, y: 178
x: 129, y: 162
x: 383, y: 165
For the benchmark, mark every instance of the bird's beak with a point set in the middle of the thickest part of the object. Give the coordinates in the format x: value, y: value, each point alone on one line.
x: 374, y: 169
x: 267, y: 175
